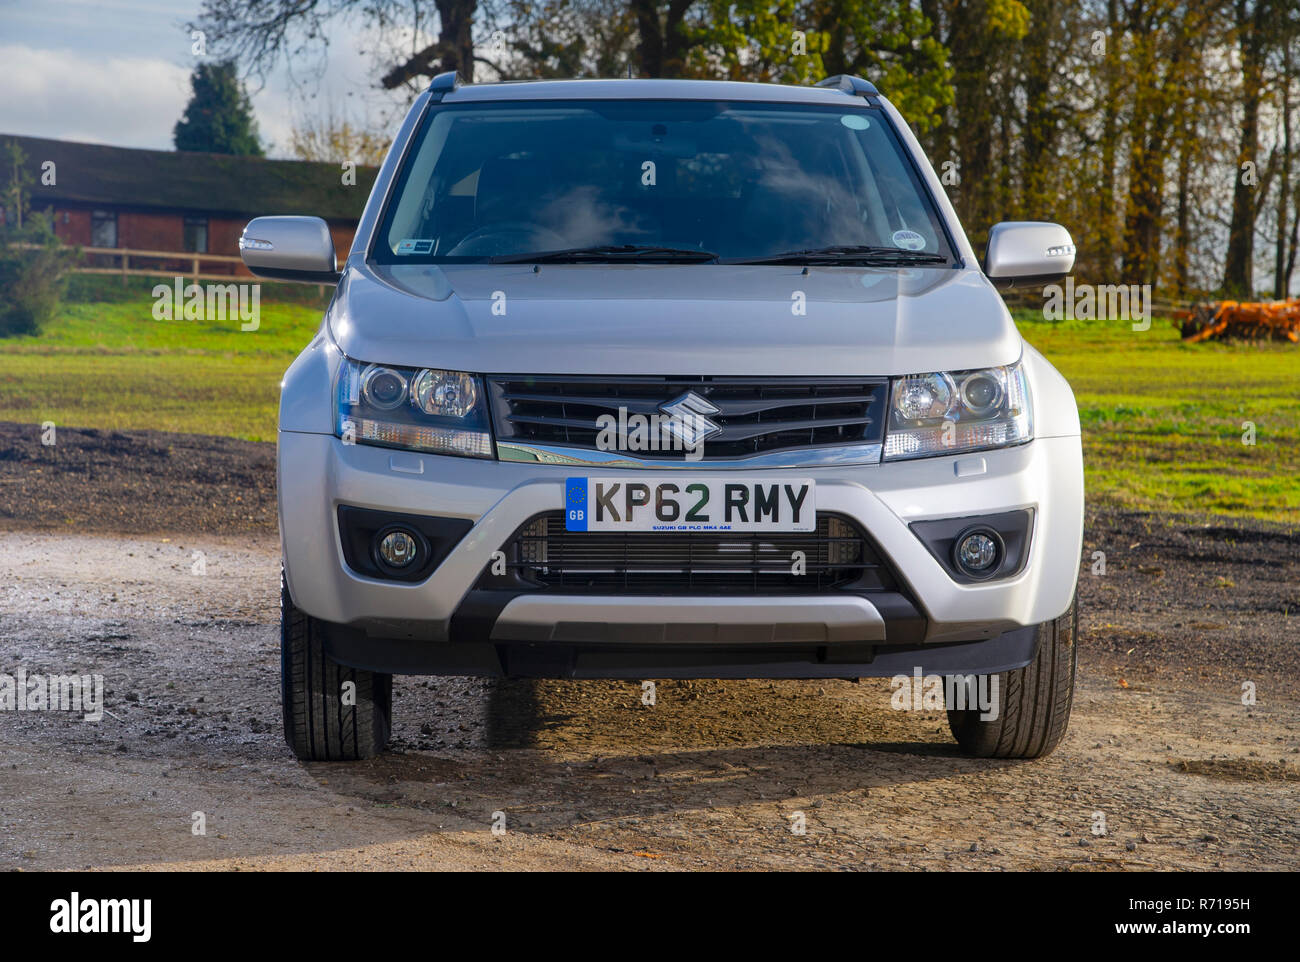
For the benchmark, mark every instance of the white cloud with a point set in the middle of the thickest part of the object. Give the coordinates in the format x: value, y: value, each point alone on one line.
x: 65, y: 94
x: 135, y: 101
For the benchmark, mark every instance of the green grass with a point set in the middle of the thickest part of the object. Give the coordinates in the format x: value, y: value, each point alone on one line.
x: 1162, y: 420
x: 105, y: 362
x: 230, y: 394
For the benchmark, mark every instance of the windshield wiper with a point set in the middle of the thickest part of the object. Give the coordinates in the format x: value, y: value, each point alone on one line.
x: 610, y: 252
x: 846, y: 254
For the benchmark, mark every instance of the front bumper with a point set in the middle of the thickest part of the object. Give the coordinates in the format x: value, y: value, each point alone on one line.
x: 444, y: 625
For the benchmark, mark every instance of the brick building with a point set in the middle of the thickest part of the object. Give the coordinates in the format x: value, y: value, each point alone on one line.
x: 189, y: 203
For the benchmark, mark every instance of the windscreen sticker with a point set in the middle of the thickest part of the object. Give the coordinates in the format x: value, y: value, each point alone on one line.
x: 909, y: 240
x: 855, y: 121
x: 414, y: 245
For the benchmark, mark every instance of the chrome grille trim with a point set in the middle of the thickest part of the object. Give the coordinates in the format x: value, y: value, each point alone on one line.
x: 759, y: 421
x: 590, y: 458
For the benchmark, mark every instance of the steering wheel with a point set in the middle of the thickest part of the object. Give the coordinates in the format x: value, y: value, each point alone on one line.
x: 503, y: 238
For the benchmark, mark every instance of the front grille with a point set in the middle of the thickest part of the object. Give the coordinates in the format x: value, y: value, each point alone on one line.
x: 756, y: 415
x: 835, y: 555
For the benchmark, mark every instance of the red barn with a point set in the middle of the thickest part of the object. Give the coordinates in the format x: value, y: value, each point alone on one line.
x: 192, y: 204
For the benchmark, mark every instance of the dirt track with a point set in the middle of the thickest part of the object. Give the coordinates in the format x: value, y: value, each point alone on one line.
x: 587, y: 776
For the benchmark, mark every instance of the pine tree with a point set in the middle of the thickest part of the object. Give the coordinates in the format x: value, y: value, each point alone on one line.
x: 219, y: 117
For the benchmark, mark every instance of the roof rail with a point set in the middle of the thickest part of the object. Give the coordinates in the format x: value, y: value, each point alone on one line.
x: 851, y: 85
x: 443, y: 84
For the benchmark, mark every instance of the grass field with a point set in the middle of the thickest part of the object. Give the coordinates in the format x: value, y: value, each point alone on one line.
x: 106, y: 363
x: 1163, y: 421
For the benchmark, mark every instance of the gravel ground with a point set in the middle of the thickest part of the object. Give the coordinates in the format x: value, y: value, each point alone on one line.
x: 168, y: 589
x: 134, y: 481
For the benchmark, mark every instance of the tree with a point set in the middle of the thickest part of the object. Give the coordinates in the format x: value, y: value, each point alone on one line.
x: 982, y: 38
x: 1162, y: 55
x: 662, y: 38
x: 1261, y: 30
x: 219, y: 117
x: 453, y: 50
x: 773, y: 41
x: 561, y: 39
x: 14, y: 162
x: 338, y: 140
x: 895, y: 45
x: 33, y: 262
x: 259, y: 33
x: 1281, y: 275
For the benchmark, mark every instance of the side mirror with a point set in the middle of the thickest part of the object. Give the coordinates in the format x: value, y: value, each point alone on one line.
x: 289, y: 249
x: 1026, y: 253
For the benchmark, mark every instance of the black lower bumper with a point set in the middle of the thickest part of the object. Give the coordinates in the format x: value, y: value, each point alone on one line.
x: 468, y: 647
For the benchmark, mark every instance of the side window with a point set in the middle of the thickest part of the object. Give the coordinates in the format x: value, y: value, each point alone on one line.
x: 103, y: 228
x: 194, y: 235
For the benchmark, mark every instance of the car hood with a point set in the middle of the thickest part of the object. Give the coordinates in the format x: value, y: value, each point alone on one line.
x: 672, y: 319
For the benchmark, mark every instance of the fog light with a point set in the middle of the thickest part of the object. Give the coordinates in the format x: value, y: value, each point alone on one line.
x: 978, y: 553
x: 398, y: 549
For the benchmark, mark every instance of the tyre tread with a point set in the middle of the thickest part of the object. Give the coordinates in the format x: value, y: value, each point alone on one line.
x: 1035, y: 700
x: 317, y: 725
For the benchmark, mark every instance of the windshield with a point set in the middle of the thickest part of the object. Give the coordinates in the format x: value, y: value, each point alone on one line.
x: 684, y: 179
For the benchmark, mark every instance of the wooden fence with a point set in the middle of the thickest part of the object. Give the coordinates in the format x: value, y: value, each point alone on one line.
x: 194, y: 260
x: 123, y: 268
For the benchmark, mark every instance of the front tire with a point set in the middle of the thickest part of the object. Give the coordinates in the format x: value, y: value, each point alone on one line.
x: 331, y: 712
x: 1035, y: 701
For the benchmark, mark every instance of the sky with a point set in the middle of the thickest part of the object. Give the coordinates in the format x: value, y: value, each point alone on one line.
x: 117, y: 72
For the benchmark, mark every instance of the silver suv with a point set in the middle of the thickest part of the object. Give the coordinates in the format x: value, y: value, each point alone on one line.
x: 671, y: 379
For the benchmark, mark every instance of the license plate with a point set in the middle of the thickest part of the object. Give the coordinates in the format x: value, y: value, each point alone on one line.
x: 690, y: 504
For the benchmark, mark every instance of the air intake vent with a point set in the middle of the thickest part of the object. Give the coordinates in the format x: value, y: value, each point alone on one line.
x: 836, y: 554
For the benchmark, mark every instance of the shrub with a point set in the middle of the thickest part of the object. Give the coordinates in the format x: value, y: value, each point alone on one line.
x: 33, y: 269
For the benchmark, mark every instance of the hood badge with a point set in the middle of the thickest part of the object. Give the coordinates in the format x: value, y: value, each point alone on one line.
x: 689, y: 419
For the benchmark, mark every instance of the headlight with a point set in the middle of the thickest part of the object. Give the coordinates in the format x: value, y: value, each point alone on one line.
x: 953, y: 411
x: 445, y: 393
x: 382, y: 387
x: 442, y: 412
